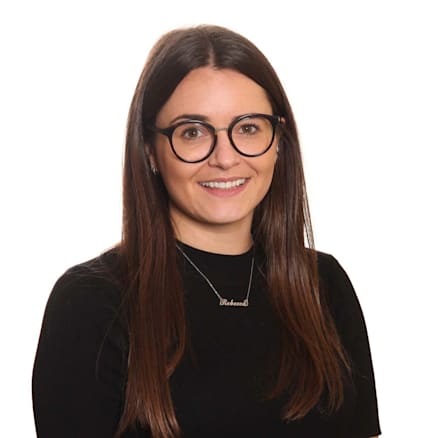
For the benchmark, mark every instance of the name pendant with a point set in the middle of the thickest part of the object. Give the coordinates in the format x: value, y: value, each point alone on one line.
x: 232, y: 303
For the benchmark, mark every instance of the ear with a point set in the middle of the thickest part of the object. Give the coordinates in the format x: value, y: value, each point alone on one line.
x: 151, y: 158
x: 149, y: 154
x: 282, y: 124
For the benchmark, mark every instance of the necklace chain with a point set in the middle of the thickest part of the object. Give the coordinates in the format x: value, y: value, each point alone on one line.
x: 222, y: 301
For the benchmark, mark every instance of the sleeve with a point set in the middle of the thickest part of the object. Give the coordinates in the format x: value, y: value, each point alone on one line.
x: 78, y: 375
x: 351, y: 327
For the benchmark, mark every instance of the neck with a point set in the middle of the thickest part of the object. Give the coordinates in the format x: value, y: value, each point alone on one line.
x: 218, y: 239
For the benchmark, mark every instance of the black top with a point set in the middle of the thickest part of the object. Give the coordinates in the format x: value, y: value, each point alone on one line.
x: 80, y: 366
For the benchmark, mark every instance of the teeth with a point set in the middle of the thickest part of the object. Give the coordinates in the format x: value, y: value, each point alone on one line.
x: 223, y: 185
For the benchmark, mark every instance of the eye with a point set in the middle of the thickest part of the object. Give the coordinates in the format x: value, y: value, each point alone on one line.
x: 191, y: 132
x: 248, y: 128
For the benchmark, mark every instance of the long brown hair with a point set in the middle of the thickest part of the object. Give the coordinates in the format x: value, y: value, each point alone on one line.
x: 312, y: 358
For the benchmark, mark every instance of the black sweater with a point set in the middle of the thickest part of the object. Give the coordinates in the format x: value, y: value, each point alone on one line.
x: 218, y: 389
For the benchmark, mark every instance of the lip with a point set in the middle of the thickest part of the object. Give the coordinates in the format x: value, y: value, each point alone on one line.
x: 222, y: 191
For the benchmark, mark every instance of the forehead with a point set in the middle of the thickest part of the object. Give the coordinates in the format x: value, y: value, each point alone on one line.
x: 218, y: 94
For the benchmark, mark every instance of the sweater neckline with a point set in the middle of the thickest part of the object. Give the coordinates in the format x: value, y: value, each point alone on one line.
x: 219, y: 268
x: 203, y: 253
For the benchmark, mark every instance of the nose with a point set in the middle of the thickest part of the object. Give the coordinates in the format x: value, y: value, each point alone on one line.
x: 224, y: 155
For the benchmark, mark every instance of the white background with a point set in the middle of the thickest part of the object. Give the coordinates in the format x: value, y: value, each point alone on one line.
x: 362, y: 79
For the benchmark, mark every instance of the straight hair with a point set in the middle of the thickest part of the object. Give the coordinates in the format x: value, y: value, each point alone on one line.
x: 312, y: 360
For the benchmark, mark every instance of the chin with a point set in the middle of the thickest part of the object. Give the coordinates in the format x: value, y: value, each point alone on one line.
x: 227, y: 219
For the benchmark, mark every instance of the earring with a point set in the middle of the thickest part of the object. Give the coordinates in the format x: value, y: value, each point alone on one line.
x: 277, y: 148
x: 154, y: 169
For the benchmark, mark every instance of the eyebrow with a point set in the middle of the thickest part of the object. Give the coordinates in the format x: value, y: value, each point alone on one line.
x: 199, y: 117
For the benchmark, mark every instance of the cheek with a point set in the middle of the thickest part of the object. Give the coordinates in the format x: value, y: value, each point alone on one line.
x: 268, y: 180
x: 161, y: 153
x: 268, y: 172
x: 178, y: 177
x: 268, y: 166
x: 167, y: 165
x: 173, y: 180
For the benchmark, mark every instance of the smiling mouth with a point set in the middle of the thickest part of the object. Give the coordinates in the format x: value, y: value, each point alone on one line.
x: 224, y: 185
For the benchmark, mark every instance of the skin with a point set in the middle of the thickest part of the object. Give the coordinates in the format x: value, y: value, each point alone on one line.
x: 214, y: 220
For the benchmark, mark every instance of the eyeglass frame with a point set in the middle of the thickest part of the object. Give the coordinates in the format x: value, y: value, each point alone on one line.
x: 168, y: 132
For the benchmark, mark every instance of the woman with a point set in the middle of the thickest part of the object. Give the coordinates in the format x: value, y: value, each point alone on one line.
x: 211, y: 318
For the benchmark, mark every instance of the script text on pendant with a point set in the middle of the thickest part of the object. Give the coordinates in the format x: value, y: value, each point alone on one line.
x: 225, y: 302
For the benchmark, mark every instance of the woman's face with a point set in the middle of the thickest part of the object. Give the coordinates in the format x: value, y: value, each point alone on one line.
x: 223, y: 190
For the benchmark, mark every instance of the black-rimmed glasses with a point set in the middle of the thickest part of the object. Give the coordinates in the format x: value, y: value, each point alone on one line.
x: 192, y: 141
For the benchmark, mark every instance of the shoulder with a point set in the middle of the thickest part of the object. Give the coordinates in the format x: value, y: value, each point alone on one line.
x: 82, y: 351
x: 89, y: 290
x: 97, y: 276
x: 329, y: 268
x: 338, y: 293
x: 334, y: 281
